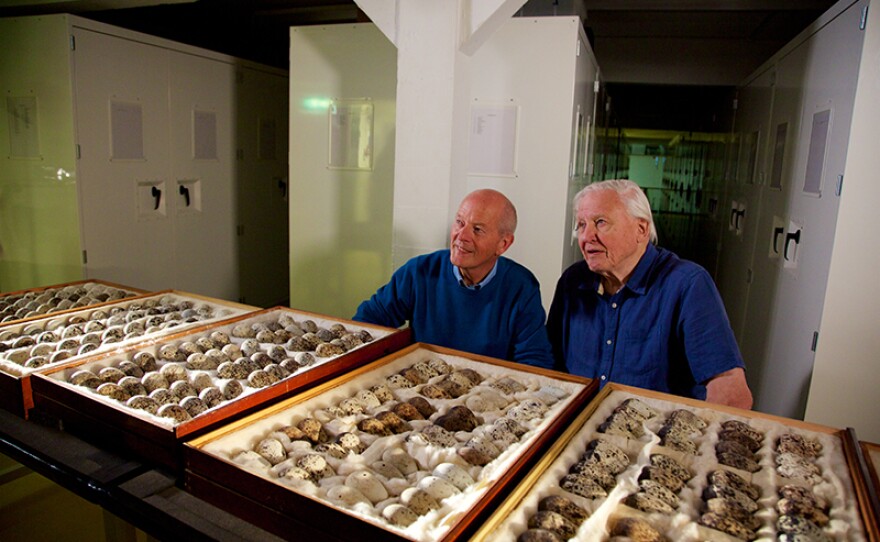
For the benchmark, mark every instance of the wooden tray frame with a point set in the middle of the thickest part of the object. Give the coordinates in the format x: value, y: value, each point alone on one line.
x: 850, y: 447
x: 16, y: 391
x: 135, y: 291
x: 868, y: 451
x: 119, y: 427
x: 228, y: 486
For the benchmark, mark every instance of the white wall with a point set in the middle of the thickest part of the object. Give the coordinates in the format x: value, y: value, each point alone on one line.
x: 846, y: 374
x: 340, y: 220
x: 532, y: 64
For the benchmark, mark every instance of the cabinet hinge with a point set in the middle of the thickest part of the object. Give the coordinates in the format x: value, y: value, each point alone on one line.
x: 72, y: 42
x: 838, y: 190
x: 239, y: 230
x: 78, y: 151
x: 85, y: 257
x: 863, y: 20
x: 815, y: 341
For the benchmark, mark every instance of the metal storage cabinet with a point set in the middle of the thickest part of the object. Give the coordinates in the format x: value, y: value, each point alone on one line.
x: 793, y: 123
x: 152, y: 164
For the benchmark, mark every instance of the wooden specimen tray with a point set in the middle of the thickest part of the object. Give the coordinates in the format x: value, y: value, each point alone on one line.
x: 60, y: 339
x: 837, y: 477
x: 407, y: 456
x: 157, y: 438
x: 33, y: 303
x: 871, y: 459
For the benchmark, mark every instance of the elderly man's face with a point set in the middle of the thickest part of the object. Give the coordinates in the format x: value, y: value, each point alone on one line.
x: 611, y: 240
x: 475, y: 240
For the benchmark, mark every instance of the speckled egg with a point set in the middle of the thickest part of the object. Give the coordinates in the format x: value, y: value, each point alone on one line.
x: 437, y: 487
x: 272, y: 450
x: 145, y: 360
x: 85, y: 378
x: 193, y: 405
x: 231, y: 389
x: 142, y: 402
x: 175, y: 412
x: 453, y: 474
x: 211, y: 396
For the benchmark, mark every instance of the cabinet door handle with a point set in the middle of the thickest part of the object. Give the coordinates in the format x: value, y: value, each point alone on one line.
x: 776, y: 233
x: 282, y: 185
x: 157, y: 193
x: 796, y: 237
x: 184, y: 191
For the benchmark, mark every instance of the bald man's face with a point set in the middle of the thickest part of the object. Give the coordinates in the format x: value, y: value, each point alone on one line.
x: 476, y: 240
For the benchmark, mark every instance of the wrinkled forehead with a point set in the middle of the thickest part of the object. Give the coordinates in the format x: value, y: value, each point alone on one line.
x: 600, y: 202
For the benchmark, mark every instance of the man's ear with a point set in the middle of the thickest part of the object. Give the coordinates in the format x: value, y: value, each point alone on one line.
x: 504, y: 244
x: 644, y: 231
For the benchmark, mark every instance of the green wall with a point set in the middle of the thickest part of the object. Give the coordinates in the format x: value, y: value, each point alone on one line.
x: 39, y: 219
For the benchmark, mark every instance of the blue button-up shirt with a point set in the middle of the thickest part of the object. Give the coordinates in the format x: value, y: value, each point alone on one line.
x: 666, y: 329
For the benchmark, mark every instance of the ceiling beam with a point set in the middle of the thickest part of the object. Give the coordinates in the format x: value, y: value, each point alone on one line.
x: 705, y: 5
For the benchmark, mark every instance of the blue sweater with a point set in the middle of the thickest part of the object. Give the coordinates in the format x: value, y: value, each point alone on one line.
x: 504, y: 319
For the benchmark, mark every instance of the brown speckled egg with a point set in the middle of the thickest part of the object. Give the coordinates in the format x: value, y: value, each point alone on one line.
x: 418, y: 500
x: 193, y: 405
x: 113, y: 391
x: 85, y: 378
x: 326, y: 350
x: 231, y: 389
x: 211, y: 396
x: 313, y: 430
x: 373, y: 426
x: 145, y: 360
x: 175, y: 412
x: 142, y: 402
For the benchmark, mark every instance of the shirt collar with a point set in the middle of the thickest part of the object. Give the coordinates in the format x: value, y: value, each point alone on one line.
x: 478, y: 285
x: 638, y: 280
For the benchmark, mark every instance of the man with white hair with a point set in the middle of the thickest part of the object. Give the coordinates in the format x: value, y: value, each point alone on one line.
x: 636, y: 314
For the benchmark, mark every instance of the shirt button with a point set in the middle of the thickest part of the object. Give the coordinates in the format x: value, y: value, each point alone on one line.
x: 602, y: 377
x: 608, y: 341
x: 614, y: 305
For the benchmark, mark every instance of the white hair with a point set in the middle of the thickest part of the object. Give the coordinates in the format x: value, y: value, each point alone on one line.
x: 632, y: 196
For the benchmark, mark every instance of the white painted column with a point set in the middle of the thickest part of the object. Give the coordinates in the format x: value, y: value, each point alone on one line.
x: 433, y: 39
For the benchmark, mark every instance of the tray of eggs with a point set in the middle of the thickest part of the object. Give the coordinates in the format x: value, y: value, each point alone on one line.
x: 37, y: 302
x: 152, y: 394
x: 36, y: 345
x: 646, y: 466
x: 415, y: 446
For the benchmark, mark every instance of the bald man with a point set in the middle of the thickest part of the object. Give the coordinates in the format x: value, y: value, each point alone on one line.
x: 469, y: 297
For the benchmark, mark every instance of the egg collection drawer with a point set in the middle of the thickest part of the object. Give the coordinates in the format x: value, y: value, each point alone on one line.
x: 36, y: 302
x: 650, y: 466
x: 36, y: 345
x: 412, y: 446
x: 163, y: 390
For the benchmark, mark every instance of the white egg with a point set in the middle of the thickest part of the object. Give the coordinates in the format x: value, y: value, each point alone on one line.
x: 369, y: 485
